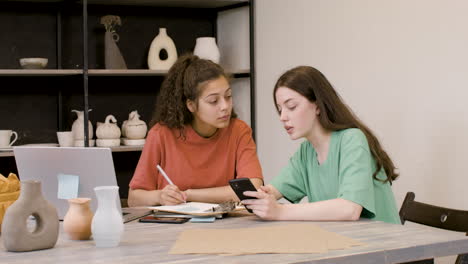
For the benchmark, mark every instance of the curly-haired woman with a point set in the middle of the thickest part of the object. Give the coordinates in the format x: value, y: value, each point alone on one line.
x: 196, y: 139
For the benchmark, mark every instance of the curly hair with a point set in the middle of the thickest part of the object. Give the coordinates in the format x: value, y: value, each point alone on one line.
x: 334, y: 113
x: 184, y: 81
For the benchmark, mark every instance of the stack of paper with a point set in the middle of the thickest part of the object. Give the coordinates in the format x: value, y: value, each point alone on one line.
x: 190, y: 208
x: 198, y: 212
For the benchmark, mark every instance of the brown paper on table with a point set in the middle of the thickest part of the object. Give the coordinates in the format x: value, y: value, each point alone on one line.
x: 290, y: 238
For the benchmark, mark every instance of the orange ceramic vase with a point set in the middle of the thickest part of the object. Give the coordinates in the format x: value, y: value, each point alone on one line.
x: 77, y: 221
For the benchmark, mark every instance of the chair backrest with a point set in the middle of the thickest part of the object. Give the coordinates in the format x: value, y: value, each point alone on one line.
x: 435, y: 216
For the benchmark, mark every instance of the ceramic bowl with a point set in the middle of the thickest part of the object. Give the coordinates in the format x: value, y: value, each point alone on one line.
x: 33, y: 63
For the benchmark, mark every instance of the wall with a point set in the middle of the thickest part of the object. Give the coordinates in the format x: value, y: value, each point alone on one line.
x: 401, y: 65
x: 233, y: 43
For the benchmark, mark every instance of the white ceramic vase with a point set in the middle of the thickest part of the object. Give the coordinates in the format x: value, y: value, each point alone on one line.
x: 107, y: 225
x: 160, y: 42
x: 206, y: 48
x: 78, y: 126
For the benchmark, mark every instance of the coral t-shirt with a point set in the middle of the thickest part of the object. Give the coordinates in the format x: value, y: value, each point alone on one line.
x: 196, y: 162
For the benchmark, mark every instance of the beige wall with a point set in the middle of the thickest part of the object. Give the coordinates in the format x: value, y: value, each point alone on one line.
x: 401, y: 65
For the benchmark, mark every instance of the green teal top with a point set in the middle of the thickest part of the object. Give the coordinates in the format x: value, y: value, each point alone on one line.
x: 346, y: 173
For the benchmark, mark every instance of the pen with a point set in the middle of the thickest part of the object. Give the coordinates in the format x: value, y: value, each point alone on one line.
x: 166, y: 177
x: 164, y: 174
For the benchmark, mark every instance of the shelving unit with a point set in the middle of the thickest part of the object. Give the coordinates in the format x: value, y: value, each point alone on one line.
x: 37, y: 103
x: 102, y: 72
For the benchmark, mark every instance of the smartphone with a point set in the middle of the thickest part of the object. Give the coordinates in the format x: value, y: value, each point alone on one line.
x: 164, y: 220
x: 240, y: 186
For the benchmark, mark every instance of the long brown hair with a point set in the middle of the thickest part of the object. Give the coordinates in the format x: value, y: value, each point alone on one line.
x: 185, y: 80
x: 334, y: 113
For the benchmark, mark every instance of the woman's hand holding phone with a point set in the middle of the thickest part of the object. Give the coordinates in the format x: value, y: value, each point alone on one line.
x: 263, y: 203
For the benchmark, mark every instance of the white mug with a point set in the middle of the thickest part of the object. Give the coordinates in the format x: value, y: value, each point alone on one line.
x: 5, y: 138
x: 65, y: 138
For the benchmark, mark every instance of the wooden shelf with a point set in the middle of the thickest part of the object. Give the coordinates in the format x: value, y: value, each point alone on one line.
x: 43, y: 72
x: 101, y: 72
x: 166, y: 3
x: 172, y: 3
x: 114, y: 149
x: 6, y: 153
x: 128, y: 72
x: 126, y: 148
x: 144, y: 72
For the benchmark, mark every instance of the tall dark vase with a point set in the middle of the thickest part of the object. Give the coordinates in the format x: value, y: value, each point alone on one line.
x: 113, y: 57
x: 15, y: 233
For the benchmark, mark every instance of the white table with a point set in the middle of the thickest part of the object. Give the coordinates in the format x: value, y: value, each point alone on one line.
x: 150, y: 243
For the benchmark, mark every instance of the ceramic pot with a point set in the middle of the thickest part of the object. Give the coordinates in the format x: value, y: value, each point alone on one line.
x: 15, y: 233
x: 206, y: 48
x: 160, y: 42
x: 78, y: 126
x: 134, y: 128
x: 107, y: 225
x: 77, y: 220
x: 108, y: 130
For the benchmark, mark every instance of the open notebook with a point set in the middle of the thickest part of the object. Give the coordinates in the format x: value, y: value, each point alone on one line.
x: 198, y: 209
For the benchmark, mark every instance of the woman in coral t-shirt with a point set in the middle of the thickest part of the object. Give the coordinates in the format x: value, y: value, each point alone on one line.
x: 196, y: 139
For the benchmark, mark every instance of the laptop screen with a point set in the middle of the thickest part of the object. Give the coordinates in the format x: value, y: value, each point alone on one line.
x: 67, y: 172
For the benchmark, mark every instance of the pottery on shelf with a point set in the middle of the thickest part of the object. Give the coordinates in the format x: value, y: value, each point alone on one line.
x: 108, y: 133
x: 112, y: 54
x: 80, y: 143
x: 206, y: 48
x: 15, y: 232
x: 78, y: 126
x: 113, y: 142
x: 108, y: 129
x: 33, y: 63
x: 162, y: 42
x: 107, y: 225
x: 133, y: 142
x: 77, y: 220
x: 134, y: 128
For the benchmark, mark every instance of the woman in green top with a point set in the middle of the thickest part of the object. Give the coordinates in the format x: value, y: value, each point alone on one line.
x: 341, y: 168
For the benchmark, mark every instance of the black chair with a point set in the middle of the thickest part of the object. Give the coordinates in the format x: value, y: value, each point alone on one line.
x: 435, y: 216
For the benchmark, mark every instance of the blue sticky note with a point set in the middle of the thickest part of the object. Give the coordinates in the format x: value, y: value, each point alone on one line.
x: 67, y: 186
x: 202, y: 219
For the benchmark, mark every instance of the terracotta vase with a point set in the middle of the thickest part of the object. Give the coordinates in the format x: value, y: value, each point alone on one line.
x: 15, y: 233
x: 77, y: 221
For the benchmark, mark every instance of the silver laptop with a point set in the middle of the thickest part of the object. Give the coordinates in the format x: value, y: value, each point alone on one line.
x: 93, y: 166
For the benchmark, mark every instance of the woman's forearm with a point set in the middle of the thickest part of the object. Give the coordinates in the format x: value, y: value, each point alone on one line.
x: 217, y: 194
x: 329, y: 210
x: 139, y: 197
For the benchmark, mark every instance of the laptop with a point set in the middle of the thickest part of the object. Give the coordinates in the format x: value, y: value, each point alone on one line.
x: 90, y: 167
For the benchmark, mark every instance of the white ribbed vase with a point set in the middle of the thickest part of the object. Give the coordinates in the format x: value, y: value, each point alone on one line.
x: 206, y: 48
x: 107, y: 225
